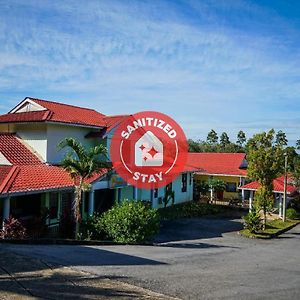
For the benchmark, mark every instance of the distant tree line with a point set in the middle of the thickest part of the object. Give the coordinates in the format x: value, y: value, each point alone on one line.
x: 214, y: 143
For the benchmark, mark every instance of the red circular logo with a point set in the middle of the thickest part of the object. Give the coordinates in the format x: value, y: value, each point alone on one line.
x: 148, y: 150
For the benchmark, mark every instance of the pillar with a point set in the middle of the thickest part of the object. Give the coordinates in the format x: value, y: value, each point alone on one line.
x: 280, y: 208
x: 91, y: 202
x: 243, y: 195
x: 135, y: 193
x: 152, y: 197
x: 211, y: 195
x: 251, y: 200
x: 6, y: 208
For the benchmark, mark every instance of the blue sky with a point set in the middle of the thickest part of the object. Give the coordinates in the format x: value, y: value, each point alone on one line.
x: 227, y: 65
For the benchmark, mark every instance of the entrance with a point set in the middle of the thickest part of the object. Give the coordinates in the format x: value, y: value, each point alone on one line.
x: 104, y: 200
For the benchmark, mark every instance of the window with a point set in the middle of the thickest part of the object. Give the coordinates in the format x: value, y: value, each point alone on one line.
x: 231, y: 187
x: 183, y: 183
x: 53, y: 205
x: 191, y: 179
x: 155, y: 194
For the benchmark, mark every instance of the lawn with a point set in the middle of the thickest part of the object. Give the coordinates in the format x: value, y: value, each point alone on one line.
x: 273, y: 228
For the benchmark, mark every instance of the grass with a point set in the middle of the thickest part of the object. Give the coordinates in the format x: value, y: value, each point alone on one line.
x: 273, y: 229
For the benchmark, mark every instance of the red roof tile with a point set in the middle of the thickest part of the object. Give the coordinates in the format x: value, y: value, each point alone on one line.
x: 39, y: 177
x: 218, y: 163
x: 278, y: 186
x: 57, y: 112
x: 15, y: 150
x: 113, y: 121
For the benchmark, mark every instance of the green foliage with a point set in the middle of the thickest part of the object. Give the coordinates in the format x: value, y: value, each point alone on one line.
x: 224, y: 140
x: 169, y: 195
x: 298, y: 145
x: 281, y: 139
x: 216, y: 185
x: 92, y: 228
x: 13, y: 229
x: 212, y: 137
x: 253, y: 221
x: 265, y: 162
x: 241, y: 138
x: 81, y: 164
x: 202, y: 187
x: 131, y: 222
x: 291, y: 214
x: 188, y: 210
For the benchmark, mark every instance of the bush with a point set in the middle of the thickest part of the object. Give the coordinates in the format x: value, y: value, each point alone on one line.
x: 131, y: 222
x: 92, y: 229
x: 13, y: 229
x: 291, y: 214
x: 188, y: 210
x: 253, y: 221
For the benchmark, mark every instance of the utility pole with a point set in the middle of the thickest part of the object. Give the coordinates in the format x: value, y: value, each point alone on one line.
x: 284, y: 188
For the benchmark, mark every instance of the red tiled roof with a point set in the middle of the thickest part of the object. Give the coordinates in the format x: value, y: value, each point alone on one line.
x: 113, y: 121
x: 39, y: 177
x: 278, y: 185
x: 192, y: 164
x: 15, y: 150
x: 57, y: 112
x: 218, y: 163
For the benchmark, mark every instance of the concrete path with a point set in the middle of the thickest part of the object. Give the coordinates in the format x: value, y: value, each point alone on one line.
x: 196, y: 259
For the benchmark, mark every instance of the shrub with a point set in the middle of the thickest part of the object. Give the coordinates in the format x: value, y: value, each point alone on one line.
x: 188, y: 210
x: 131, y: 222
x: 291, y: 214
x: 253, y: 221
x: 92, y: 228
x: 13, y: 229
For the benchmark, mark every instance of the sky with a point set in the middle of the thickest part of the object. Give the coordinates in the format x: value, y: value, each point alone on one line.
x: 226, y: 65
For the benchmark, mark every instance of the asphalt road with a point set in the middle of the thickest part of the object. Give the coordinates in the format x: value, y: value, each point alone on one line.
x: 197, y: 259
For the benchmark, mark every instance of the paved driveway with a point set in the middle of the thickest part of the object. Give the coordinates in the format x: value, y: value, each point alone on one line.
x: 197, y: 259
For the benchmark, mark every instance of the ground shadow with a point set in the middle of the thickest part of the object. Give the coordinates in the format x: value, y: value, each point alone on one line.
x: 197, y: 228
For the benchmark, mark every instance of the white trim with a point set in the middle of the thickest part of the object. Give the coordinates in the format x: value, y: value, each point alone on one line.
x: 212, y: 174
x: 247, y: 189
x: 27, y: 100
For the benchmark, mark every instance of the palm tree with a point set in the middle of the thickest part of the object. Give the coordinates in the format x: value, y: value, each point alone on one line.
x: 82, y: 164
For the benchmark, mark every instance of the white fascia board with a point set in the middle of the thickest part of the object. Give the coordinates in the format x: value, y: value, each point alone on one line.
x: 27, y: 100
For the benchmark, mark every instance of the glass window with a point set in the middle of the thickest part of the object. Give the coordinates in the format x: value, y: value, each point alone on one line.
x: 183, y: 182
x: 155, y: 194
x: 53, y: 205
x: 231, y: 187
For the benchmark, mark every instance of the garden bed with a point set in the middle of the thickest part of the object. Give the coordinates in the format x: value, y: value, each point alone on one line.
x: 273, y: 229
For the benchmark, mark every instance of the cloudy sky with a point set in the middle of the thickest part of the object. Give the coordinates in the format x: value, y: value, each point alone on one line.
x: 227, y: 65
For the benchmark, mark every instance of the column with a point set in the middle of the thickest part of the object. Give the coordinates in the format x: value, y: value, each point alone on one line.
x: 152, y: 197
x: 135, y: 193
x: 211, y: 195
x: 243, y: 195
x: 6, y: 208
x: 280, y: 208
x: 250, y: 200
x: 91, y: 202
x: 119, y: 191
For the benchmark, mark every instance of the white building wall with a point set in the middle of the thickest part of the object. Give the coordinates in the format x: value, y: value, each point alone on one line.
x: 35, y: 135
x: 56, y: 133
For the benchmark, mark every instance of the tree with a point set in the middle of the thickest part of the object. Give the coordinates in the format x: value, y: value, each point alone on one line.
x: 241, y: 138
x: 298, y: 145
x: 224, y: 140
x: 281, y: 139
x: 212, y: 137
x: 82, y: 164
x: 265, y: 162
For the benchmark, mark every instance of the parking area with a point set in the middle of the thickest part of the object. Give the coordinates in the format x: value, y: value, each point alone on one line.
x: 194, y: 259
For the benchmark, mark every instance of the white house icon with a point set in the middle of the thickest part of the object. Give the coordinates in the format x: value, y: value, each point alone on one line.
x: 148, y: 151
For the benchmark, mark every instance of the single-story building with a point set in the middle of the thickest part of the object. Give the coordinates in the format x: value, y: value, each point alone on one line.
x: 248, y: 192
x: 228, y: 167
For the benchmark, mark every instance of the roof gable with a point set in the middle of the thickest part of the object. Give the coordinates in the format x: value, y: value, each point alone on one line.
x: 38, y: 110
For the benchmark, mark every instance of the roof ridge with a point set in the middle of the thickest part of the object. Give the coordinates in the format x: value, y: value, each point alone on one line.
x: 64, y: 104
x: 9, y: 179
